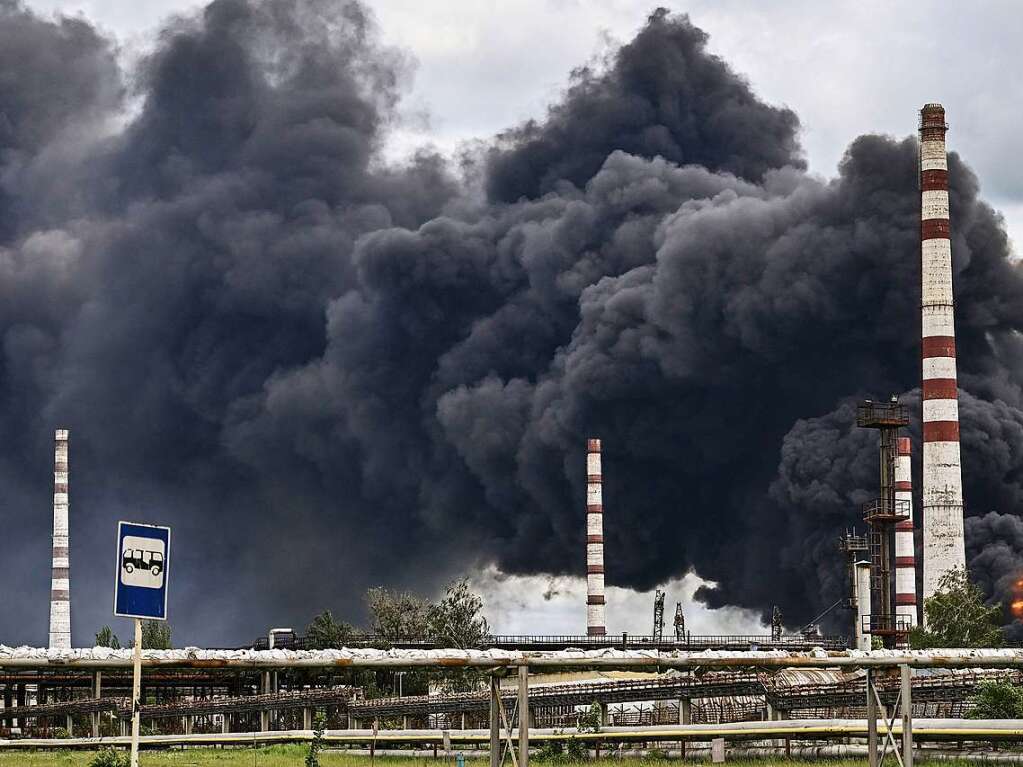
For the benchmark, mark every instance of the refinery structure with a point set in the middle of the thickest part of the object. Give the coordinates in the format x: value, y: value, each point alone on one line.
x: 275, y: 685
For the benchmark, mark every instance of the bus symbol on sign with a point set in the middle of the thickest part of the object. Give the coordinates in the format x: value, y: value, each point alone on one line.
x: 142, y: 562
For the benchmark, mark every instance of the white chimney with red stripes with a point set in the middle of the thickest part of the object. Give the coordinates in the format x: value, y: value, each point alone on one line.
x: 943, y: 545
x: 595, y: 624
x: 60, y: 573
x: 905, y: 557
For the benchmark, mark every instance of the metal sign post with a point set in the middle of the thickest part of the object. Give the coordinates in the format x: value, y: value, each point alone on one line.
x: 140, y: 592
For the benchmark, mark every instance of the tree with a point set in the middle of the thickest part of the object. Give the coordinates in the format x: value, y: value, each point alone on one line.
x: 458, y: 620
x: 156, y: 635
x: 325, y: 632
x: 397, y: 615
x: 105, y: 637
x: 958, y: 617
x: 996, y: 700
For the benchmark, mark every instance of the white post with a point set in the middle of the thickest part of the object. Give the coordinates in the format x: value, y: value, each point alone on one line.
x: 136, y: 693
x: 862, y: 571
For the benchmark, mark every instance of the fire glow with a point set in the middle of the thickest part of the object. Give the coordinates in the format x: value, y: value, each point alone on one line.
x: 1017, y: 604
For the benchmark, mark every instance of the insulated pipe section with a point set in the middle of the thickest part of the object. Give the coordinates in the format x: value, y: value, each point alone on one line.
x: 60, y: 580
x: 862, y: 604
x: 595, y: 623
x: 943, y: 546
x: 905, y: 557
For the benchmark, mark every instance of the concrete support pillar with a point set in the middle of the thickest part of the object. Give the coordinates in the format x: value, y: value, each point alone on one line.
x: 188, y: 724
x: 907, y: 715
x: 307, y: 718
x: 463, y: 720
x: 495, y: 722
x: 523, y: 716
x: 69, y: 725
x: 124, y: 728
x: 871, y: 721
x: 685, y: 711
x: 97, y: 692
x: 225, y: 724
x: 264, y: 716
x: 863, y: 607
x: 605, y: 715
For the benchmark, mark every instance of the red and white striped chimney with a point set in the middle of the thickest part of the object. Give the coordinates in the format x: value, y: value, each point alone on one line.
x: 60, y: 581
x: 943, y: 545
x: 905, y: 557
x: 595, y: 625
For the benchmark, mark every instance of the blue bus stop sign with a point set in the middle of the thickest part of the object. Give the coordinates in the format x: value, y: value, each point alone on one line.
x: 143, y: 561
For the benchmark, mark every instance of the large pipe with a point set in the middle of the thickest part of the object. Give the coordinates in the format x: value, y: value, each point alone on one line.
x: 35, y: 658
x: 905, y: 557
x: 60, y: 580
x: 943, y: 546
x: 863, y: 637
x: 595, y: 619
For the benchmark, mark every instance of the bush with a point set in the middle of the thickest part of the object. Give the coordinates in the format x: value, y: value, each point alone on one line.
x: 996, y: 700
x: 312, y: 759
x: 110, y: 757
x: 551, y: 750
x: 577, y: 750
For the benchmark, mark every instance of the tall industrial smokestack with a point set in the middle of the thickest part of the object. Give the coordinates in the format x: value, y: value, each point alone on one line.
x: 943, y: 546
x: 595, y: 625
x: 60, y: 581
x: 905, y: 557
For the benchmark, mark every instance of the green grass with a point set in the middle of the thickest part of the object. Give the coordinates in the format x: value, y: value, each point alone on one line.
x: 294, y: 756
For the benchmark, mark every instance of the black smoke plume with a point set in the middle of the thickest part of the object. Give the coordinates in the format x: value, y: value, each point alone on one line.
x: 329, y: 372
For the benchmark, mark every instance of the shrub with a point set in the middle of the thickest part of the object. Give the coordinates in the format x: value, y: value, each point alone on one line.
x: 996, y: 700
x: 312, y: 759
x: 109, y: 757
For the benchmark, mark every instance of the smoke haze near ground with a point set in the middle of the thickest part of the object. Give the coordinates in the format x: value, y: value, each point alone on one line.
x: 327, y: 372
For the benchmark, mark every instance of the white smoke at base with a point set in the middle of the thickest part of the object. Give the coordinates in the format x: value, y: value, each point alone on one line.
x: 541, y: 604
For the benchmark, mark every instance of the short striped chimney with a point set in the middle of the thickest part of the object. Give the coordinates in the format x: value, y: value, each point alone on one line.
x: 943, y: 545
x: 60, y: 581
x: 905, y: 558
x: 595, y: 625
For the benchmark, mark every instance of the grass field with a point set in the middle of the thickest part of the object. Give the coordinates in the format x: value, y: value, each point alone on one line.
x: 294, y: 756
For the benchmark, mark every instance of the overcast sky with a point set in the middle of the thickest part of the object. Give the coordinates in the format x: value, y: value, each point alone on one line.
x: 845, y: 68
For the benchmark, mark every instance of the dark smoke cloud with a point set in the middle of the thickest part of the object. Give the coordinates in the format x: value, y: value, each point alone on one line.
x: 328, y: 372
x: 660, y: 95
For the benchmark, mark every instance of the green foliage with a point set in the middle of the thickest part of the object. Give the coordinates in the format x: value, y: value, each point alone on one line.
x: 958, y: 617
x: 156, y: 635
x: 876, y: 643
x: 996, y: 700
x: 576, y: 750
x: 551, y: 750
x: 458, y: 620
x: 589, y: 720
x: 325, y: 632
x: 110, y: 757
x: 397, y: 615
x: 105, y: 637
x: 312, y: 759
x: 61, y: 732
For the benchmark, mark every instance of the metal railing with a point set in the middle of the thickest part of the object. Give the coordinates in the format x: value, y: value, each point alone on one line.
x: 563, y: 641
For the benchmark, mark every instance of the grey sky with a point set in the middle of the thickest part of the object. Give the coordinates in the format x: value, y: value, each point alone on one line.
x: 845, y: 68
